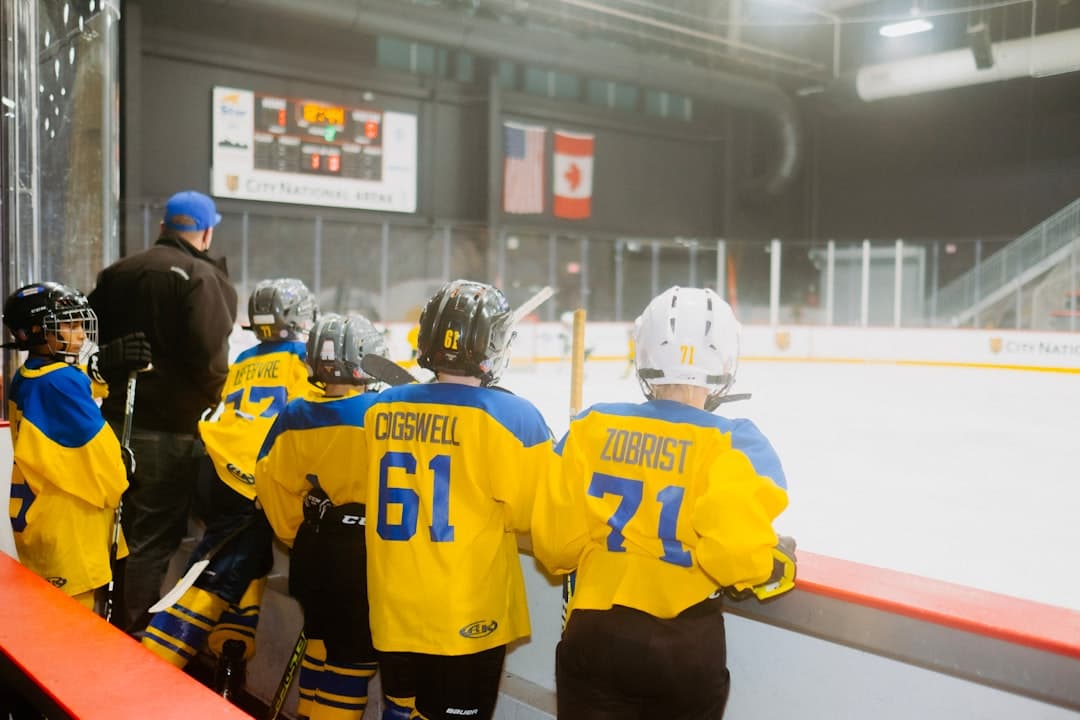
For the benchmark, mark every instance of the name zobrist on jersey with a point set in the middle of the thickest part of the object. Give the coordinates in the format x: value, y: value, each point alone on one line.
x: 632, y: 447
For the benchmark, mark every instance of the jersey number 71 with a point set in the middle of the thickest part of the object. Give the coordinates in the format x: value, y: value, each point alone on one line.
x: 630, y: 491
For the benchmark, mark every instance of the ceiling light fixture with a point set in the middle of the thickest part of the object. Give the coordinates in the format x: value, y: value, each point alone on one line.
x: 906, y: 27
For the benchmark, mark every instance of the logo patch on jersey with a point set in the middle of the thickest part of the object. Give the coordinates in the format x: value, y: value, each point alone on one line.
x: 246, y: 478
x: 57, y: 581
x: 479, y: 629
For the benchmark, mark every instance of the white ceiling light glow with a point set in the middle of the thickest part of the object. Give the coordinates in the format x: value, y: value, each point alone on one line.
x: 906, y: 27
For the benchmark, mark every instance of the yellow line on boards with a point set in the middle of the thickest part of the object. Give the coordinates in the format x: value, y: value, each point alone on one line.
x: 913, y: 363
x: 519, y: 361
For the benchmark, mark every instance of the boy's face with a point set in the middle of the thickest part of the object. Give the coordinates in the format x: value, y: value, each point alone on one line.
x: 68, y: 339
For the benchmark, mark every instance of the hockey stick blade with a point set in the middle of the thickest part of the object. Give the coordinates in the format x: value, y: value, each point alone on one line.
x: 129, y: 467
x: 532, y: 303
x: 386, y: 370
x: 182, y: 586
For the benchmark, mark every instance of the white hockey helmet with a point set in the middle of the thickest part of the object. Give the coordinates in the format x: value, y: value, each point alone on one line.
x: 687, y: 336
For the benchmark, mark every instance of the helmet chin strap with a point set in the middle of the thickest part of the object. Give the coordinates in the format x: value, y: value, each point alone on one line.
x: 711, y: 403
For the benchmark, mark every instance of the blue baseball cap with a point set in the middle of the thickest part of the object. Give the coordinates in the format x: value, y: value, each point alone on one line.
x: 190, y: 210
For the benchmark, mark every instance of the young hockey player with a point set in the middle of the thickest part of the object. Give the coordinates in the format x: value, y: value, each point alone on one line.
x: 225, y: 600
x: 659, y: 507
x: 311, y: 480
x: 454, y: 465
x: 68, y: 473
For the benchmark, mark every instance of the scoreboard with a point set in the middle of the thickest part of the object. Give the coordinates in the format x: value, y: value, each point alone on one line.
x: 282, y: 149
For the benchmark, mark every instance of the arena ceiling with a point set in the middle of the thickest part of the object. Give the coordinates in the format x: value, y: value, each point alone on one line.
x: 801, y: 44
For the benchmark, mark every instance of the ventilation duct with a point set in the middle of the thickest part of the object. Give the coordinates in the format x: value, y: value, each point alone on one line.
x: 546, y: 48
x: 1039, y: 56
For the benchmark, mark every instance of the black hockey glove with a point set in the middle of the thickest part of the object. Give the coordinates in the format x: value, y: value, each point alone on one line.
x: 316, y: 505
x: 782, y: 578
x: 127, y: 353
x: 128, y: 457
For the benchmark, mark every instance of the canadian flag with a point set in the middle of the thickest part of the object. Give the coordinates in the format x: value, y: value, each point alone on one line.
x: 573, y: 171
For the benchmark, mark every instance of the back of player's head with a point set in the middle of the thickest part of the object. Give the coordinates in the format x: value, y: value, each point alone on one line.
x: 336, y: 346
x: 687, y: 336
x: 282, y: 309
x: 37, y: 311
x: 466, y: 328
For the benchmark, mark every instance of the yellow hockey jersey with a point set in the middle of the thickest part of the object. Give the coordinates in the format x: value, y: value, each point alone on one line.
x: 453, y: 472
x: 315, y: 441
x: 658, y: 505
x: 261, y: 381
x: 67, y: 477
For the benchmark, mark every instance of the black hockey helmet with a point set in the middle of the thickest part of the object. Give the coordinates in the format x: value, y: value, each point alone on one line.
x: 282, y: 309
x: 337, y: 344
x: 38, y: 309
x: 466, y: 329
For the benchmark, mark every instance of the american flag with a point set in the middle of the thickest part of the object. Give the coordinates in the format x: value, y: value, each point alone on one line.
x: 523, y: 169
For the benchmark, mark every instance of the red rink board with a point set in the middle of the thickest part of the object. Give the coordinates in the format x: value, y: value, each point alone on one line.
x: 89, y: 668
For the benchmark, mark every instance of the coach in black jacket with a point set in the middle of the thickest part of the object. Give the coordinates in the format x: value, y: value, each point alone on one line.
x: 182, y: 299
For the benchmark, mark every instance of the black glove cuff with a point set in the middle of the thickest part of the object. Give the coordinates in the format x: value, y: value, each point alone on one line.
x: 93, y: 370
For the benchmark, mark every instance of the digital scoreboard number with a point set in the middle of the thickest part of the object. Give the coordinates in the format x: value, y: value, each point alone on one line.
x: 316, y: 114
x: 257, y: 134
x: 304, y: 136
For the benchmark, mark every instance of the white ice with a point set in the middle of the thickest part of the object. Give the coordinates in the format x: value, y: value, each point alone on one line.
x: 966, y: 475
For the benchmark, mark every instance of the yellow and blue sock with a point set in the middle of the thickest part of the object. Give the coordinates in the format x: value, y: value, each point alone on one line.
x: 179, y: 632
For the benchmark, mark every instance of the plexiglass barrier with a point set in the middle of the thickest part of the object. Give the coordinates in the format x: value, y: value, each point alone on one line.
x: 386, y: 269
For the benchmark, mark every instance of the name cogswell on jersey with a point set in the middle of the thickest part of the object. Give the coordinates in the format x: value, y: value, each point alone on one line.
x: 424, y: 427
x: 257, y: 371
x: 642, y: 448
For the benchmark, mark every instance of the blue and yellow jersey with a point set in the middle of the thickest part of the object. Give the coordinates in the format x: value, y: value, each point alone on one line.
x: 658, y: 505
x: 315, y: 441
x: 67, y: 478
x: 261, y: 381
x: 453, y: 472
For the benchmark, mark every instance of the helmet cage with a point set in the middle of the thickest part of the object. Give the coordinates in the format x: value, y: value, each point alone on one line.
x: 40, y: 310
x: 687, y: 336
x: 466, y: 329
x: 282, y: 309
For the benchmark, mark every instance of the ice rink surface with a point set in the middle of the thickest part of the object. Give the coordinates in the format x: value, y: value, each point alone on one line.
x: 960, y: 474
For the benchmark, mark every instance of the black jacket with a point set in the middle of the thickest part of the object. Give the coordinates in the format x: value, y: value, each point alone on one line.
x: 183, y: 300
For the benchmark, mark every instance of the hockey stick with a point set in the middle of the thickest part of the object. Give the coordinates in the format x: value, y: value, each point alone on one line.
x: 282, y: 691
x: 532, y: 303
x: 577, y: 362
x: 577, y: 379
x: 188, y: 580
x: 386, y: 370
x: 129, y: 466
